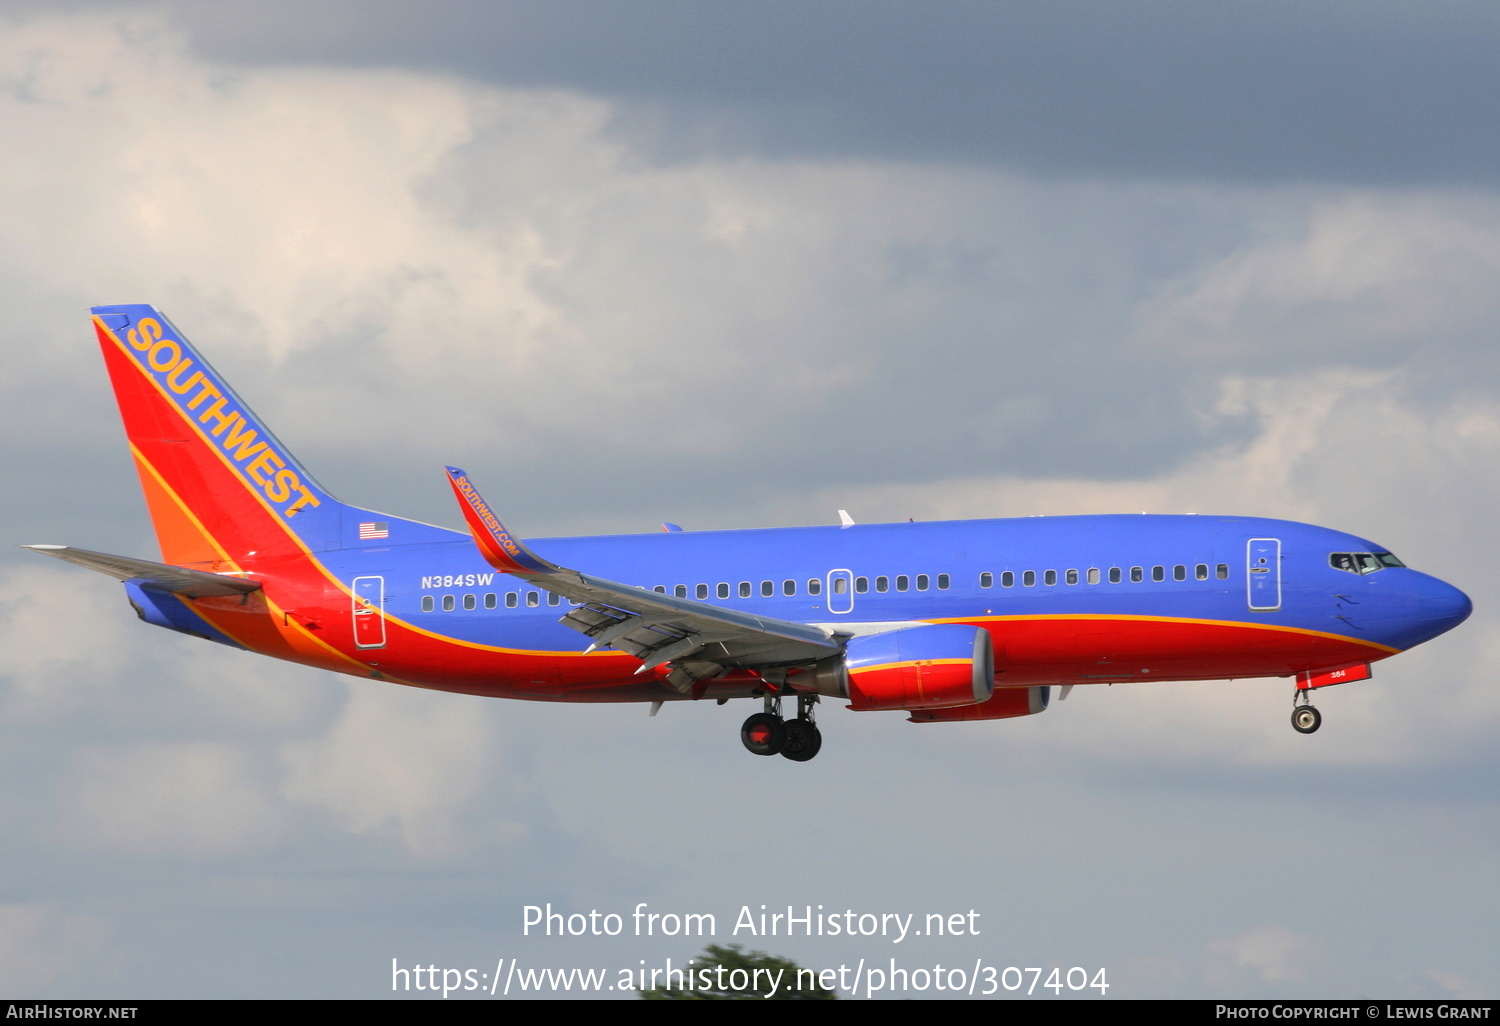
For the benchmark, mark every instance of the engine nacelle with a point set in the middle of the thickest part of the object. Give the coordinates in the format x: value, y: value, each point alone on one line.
x: 1006, y: 703
x: 935, y: 666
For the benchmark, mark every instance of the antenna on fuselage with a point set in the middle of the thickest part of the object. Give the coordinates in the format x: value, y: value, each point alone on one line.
x: 845, y: 520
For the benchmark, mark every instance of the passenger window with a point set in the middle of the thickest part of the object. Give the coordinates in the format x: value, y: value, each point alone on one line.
x: 943, y: 582
x: 660, y: 589
x: 723, y: 590
x: 1072, y: 576
x: 986, y: 580
x: 680, y: 591
x: 470, y: 602
x: 553, y: 598
x: 923, y: 582
x: 790, y: 588
x: 1028, y: 578
x: 840, y: 586
x: 1202, y: 571
x: 1223, y: 571
x: 1050, y: 578
x: 1137, y: 575
x: 902, y: 582
x: 533, y: 598
x: 1158, y: 573
x: 427, y: 603
x: 447, y: 603
x: 489, y: 600
x: 701, y: 591
x: 744, y: 589
x: 767, y: 589
x: 511, y: 598
x: 814, y: 586
x: 882, y: 584
x: 1179, y: 572
x: 1008, y: 579
x: 1114, y: 575
x: 861, y: 584
x: 1093, y: 575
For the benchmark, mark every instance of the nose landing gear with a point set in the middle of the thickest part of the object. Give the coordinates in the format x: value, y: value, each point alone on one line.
x: 1305, y: 719
x: 766, y: 733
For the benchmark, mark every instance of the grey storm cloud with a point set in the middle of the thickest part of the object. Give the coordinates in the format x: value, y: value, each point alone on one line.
x: 1377, y: 93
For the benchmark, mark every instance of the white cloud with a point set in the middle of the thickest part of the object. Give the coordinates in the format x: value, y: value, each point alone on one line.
x: 1456, y: 986
x: 1359, y: 273
x: 48, y: 667
x: 397, y: 763
x: 1273, y: 953
x: 197, y: 799
x: 38, y: 944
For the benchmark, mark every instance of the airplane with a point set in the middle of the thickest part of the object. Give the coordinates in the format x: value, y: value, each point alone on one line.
x: 946, y: 622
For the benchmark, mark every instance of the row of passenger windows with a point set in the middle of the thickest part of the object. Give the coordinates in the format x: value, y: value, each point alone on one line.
x: 491, y: 601
x: 840, y: 585
x: 723, y: 590
x: 746, y: 589
x: 1093, y: 575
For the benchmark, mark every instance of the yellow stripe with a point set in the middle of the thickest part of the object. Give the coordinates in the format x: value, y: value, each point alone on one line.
x: 911, y: 662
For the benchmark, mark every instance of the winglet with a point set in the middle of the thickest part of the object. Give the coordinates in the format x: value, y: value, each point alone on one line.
x: 498, y: 546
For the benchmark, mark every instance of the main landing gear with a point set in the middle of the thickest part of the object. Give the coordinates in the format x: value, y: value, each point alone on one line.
x: 1305, y: 719
x: 766, y: 733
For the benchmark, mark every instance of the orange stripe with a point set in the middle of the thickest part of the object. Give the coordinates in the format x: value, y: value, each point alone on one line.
x: 1131, y: 618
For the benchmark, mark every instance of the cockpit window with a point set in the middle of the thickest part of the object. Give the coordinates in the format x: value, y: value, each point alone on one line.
x: 1362, y: 562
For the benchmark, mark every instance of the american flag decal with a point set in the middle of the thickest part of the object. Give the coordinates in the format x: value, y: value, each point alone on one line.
x: 369, y: 532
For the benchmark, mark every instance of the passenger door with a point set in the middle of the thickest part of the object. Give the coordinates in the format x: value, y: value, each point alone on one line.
x: 1263, y: 573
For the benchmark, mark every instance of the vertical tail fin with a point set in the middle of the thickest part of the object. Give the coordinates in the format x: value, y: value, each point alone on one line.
x: 219, y: 485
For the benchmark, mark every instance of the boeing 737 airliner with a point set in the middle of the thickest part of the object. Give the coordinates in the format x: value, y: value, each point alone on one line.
x: 970, y: 620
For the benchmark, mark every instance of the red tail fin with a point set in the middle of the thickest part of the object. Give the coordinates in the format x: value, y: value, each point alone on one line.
x: 219, y: 485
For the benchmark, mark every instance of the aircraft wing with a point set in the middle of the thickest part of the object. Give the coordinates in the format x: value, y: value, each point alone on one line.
x: 176, y: 579
x: 698, y: 640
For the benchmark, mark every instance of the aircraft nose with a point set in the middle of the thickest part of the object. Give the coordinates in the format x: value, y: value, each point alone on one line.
x: 1441, y: 606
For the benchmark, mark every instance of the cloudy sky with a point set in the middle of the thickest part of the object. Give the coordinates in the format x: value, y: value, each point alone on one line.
x: 738, y: 266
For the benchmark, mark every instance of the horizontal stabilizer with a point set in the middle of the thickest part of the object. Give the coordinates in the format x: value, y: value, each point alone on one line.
x: 175, y: 579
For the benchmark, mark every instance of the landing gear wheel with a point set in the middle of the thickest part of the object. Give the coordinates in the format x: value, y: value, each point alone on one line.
x: 803, y: 740
x: 1306, y: 719
x: 763, y: 734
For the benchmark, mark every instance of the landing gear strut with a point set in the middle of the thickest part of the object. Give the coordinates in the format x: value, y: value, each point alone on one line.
x: 1305, y: 719
x: 766, y: 733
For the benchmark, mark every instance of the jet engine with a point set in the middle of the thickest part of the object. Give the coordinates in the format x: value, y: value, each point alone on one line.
x: 934, y: 666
